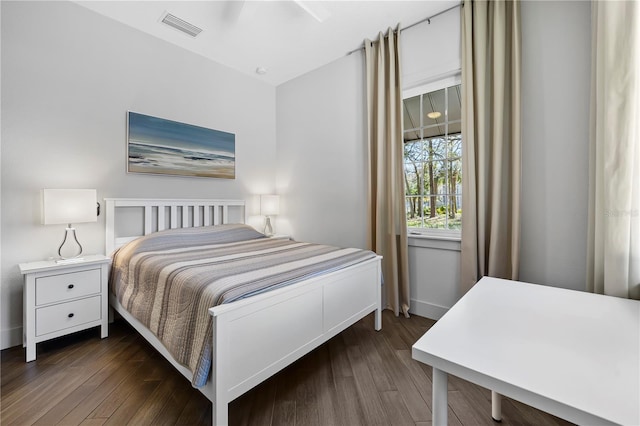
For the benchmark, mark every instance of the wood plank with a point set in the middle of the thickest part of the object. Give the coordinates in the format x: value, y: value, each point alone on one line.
x: 59, y: 376
x: 530, y: 415
x: 367, y: 393
x: 394, y: 331
x: 124, y: 389
x: 467, y: 412
x: 349, y: 409
x: 284, y: 406
x: 396, y: 409
x: 404, y: 383
x: 173, y: 406
x: 418, y: 376
x: 306, y: 397
x: 262, y: 410
x: 324, y: 388
x: 340, y: 365
x: 365, y: 335
x: 43, y: 368
x: 94, y: 392
x: 93, y: 422
x: 416, y: 326
x: 130, y: 407
x: 150, y: 410
x: 196, y: 412
x: 47, y: 395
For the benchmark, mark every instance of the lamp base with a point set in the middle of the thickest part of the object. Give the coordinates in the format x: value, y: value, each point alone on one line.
x: 268, y: 229
x: 70, y: 253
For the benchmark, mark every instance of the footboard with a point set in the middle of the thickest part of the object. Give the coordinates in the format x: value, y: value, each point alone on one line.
x: 257, y: 337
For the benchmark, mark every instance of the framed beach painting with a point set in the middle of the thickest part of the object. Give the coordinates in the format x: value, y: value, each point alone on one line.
x: 165, y: 147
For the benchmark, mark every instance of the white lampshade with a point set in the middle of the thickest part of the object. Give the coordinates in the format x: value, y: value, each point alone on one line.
x: 269, y: 205
x: 69, y: 206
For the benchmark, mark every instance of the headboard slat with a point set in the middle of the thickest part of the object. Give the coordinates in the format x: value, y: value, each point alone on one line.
x: 147, y: 219
x: 185, y: 216
x: 225, y: 213
x: 196, y: 215
x: 207, y: 216
x: 174, y: 217
x: 161, y: 218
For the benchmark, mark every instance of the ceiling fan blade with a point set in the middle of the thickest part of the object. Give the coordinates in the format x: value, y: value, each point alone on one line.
x: 315, y: 9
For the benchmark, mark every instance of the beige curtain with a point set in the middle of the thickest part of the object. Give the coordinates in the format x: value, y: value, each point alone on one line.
x: 492, y: 140
x: 613, y: 261
x: 387, y: 219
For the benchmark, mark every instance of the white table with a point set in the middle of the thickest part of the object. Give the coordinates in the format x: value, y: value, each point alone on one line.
x: 572, y: 354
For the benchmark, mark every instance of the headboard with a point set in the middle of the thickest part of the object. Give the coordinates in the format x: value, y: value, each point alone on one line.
x: 161, y: 214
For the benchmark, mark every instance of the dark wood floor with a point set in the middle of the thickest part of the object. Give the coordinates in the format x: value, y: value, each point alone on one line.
x: 360, y: 377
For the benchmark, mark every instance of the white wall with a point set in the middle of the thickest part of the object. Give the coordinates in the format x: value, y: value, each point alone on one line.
x: 68, y: 77
x: 434, y: 271
x: 431, y: 51
x: 321, y: 154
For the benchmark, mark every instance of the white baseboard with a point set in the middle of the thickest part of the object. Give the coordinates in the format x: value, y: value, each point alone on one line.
x: 11, y: 337
x: 428, y: 310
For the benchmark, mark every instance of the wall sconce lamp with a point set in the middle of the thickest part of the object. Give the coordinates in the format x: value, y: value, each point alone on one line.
x: 69, y: 206
x: 269, y: 206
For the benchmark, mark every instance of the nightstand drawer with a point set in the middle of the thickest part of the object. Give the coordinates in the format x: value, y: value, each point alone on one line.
x: 66, y: 315
x: 57, y: 288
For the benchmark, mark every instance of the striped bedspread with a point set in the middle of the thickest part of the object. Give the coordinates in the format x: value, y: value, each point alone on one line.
x: 168, y: 280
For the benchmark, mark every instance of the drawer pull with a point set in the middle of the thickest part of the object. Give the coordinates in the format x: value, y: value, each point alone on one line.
x: 70, y: 286
x: 70, y: 315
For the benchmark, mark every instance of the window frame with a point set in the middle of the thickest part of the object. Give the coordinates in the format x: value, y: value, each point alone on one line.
x: 427, y: 87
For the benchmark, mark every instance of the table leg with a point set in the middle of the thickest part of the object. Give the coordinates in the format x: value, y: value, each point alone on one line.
x: 496, y: 406
x: 439, y: 405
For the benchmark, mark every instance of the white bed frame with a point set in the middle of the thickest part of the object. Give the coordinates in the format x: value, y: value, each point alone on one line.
x: 256, y: 337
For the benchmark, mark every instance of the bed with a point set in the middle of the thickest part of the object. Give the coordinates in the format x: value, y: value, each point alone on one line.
x: 253, y: 337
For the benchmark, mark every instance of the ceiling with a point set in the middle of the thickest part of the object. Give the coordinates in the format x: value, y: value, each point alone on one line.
x: 286, y: 38
x: 438, y: 107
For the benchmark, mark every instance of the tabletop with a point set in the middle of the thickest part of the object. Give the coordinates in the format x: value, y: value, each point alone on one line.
x: 578, y: 349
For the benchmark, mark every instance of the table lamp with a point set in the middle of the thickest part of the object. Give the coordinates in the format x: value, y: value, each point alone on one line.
x: 69, y: 206
x: 269, y: 206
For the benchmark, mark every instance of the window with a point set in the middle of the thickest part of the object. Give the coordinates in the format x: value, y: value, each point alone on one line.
x: 433, y: 157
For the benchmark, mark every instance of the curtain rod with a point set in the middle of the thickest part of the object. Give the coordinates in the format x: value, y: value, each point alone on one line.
x: 428, y: 19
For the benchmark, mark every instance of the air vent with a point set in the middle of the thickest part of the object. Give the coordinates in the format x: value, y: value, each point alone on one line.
x: 180, y: 24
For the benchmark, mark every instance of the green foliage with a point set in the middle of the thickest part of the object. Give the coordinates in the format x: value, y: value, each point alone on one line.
x: 439, y: 222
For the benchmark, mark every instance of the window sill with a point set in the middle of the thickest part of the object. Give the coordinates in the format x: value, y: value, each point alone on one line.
x: 444, y: 241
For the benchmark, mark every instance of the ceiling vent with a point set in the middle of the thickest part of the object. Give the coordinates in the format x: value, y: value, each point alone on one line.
x: 180, y: 24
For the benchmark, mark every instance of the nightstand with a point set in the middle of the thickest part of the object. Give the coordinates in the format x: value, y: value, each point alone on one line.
x: 62, y: 298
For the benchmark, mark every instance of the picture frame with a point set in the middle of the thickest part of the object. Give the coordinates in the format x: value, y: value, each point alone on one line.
x: 164, y: 147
